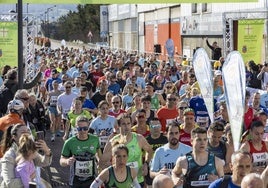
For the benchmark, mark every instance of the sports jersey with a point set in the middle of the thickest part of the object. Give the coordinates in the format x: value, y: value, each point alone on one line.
x: 71, y: 116
x: 107, y: 125
x: 155, y: 105
x: 217, y: 184
x: 166, y: 157
x: 65, y: 103
x: 147, y: 132
x: 196, y: 175
x: 166, y: 115
x: 156, y: 143
x: 116, y: 114
x: 113, y: 181
x: 83, y: 171
x: 134, y: 156
x: 219, y: 151
x: 260, y: 158
x: 197, y: 103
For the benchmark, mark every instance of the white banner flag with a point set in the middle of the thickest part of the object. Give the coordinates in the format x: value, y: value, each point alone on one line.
x: 234, y: 79
x: 203, y: 73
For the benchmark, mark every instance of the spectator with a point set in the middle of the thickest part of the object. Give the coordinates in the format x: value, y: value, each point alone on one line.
x: 10, y: 149
x: 215, y: 49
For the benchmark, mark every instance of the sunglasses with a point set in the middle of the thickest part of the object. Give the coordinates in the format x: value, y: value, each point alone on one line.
x: 169, y: 87
x: 68, y: 87
x: 155, y: 126
x: 25, y: 98
x: 141, y: 116
x: 182, y: 108
x: 82, y: 128
x: 115, y: 102
x: 171, y: 99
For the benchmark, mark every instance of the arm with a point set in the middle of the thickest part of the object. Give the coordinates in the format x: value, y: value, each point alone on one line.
x: 264, y: 177
x: 219, y: 167
x: 211, y: 47
x: 66, y: 161
x: 67, y: 128
x: 105, y: 159
x: 161, y: 99
x: 260, y: 75
x: 177, y: 173
x: 146, y: 147
x: 35, y: 80
x: 102, y: 178
x: 46, y: 159
x: 229, y: 152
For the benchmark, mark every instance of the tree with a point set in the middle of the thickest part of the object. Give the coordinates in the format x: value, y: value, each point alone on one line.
x: 76, y: 25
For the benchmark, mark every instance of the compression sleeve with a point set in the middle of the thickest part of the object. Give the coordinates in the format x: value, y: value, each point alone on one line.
x: 96, y: 183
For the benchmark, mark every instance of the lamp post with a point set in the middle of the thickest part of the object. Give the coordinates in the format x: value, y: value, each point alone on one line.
x: 49, y: 9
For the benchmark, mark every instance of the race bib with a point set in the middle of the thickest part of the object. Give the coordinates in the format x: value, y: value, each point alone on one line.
x: 103, y: 140
x: 64, y: 113
x: 200, y: 183
x: 84, y: 168
x: 202, y: 121
x: 53, y: 100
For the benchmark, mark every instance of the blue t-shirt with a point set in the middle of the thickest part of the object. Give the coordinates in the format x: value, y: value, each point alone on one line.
x: 217, y: 183
x: 115, y: 88
x: 89, y: 104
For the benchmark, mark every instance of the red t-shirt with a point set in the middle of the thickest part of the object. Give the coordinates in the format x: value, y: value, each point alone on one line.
x: 164, y: 115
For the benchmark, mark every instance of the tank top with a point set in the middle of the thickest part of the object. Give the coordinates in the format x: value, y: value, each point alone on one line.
x: 185, y: 138
x: 155, y: 102
x: 113, y: 181
x: 134, y: 156
x: 259, y: 157
x: 219, y: 151
x: 196, y: 175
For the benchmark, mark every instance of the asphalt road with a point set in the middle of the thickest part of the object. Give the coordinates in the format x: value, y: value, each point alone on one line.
x: 56, y: 175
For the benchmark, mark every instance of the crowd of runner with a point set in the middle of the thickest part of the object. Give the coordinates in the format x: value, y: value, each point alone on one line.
x: 129, y: 120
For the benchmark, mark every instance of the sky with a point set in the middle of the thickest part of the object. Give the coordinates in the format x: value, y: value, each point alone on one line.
x: 40, y: 9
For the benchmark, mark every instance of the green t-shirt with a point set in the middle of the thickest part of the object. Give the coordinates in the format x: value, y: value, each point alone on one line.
x: 84, y: 169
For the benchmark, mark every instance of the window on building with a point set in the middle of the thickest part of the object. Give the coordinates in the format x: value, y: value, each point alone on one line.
x: 194, y: 7
x: 204, y: 7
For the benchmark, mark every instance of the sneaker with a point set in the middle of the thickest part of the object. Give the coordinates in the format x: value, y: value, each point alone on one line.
x: 52, y: 138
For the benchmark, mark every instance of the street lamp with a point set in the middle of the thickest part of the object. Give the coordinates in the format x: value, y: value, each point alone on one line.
x: 47, y: 12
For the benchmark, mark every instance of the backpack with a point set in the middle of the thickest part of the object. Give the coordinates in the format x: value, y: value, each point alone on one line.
x: 224, y: 182
x: 6, y: 95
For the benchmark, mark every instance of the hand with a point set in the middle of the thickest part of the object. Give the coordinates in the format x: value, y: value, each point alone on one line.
x: 41, y: 144
x: 164, y: 170
x: 33, y: 175
x: 144, y: 169
x: 103, y: 133
x: 178, y: 181
x: 70, y: 161
x: 212, y: 177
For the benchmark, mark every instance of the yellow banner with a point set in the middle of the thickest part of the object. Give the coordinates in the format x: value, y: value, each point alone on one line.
x: 122, y: 1
x: 8, y: 44
x: 250, y: 39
